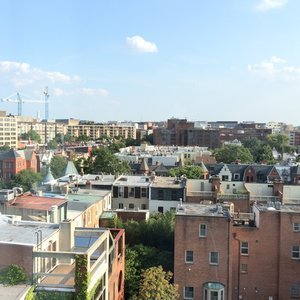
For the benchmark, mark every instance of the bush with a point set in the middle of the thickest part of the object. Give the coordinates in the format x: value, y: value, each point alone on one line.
x: 16, y: 275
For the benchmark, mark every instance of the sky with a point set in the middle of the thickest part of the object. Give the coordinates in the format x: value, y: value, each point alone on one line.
x: 150, y: 60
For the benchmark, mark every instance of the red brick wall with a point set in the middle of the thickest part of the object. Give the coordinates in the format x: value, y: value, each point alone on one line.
x: 20, y: 255
x: 200, y: 272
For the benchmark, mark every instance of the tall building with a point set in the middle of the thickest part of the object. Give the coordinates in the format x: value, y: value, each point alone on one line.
x: 8, y: 130
x: 47, y: 130
x: 224, y: 255
x: 96, y: 130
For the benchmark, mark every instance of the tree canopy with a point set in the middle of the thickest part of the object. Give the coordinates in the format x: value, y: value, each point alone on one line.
x: 27, y: 179
x: 231, y: 153
x: 58, y: 165
x: 155, y: 284
x: 280, y: 142
x: 104, y: 161
x: 31, y: 135
x: 190, y: 171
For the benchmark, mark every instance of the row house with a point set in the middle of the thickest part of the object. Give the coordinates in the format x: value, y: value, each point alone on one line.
x: 221, y: 254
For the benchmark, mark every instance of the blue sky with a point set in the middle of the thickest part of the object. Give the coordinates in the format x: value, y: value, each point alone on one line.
x: 152, y: 60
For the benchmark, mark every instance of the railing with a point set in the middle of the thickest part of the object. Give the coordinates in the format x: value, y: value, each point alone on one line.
x: 232, y: 197
x: 200, y: 194
x: 264, y: 198
x: 291, y: 201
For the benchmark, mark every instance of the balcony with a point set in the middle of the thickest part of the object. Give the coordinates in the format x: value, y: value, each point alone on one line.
x: 243, y: 219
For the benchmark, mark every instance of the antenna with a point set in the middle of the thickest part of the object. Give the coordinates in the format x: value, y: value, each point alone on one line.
x: 46, y: 94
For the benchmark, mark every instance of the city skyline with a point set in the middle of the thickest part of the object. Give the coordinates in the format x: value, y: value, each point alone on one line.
x: 235, y: 60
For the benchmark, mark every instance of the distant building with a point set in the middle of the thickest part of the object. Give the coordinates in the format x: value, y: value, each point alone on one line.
x: 13, y: 162
x: 8, y: 130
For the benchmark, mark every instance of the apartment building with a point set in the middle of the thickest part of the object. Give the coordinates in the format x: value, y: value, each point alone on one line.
x: 47, y: 130
x: 96, y: 130
x: 221, y: 254
x: 8, y: 130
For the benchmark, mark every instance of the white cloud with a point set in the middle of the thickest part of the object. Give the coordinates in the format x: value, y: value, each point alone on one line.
x: 139, y: 44
x: 94, y: 92
x: 58, y: 92
x: 22, y: 74
x: 276, y: 68
x: 271, y: 4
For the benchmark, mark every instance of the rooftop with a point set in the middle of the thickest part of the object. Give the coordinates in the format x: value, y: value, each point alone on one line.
x: 166, y: 182
x: 23, y: 232
x: 277, y: 206
x: 30, y: 201
x: 202, y: 210
x: 143, y: 181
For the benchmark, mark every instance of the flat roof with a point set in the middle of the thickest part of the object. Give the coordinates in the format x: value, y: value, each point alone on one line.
x: 142, y: 181
x: 37, y: 202
x: 280, y: 207
x: 166, y: 182
x: 23, y: 232
x: 201, y: 210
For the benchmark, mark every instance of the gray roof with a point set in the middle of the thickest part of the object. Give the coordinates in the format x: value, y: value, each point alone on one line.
x: 23, y: 232
x: 70, y: 169
x: 9, y: 154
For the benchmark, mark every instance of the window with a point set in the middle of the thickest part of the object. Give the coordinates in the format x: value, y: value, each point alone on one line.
x: 160, y: 209
x: 296, y: 252
x: 214, y: 258
x: 295, y: 290
x: 131, y: 192
x: 189, y: 256
x: 160, y: 194
x: 296, y: 227
x: 225, y: 178
x: 144, y: 192
x: 236, y: 176
x: 121, y: 205
x: 244, y: 268
x: 144, y: 206
x: 131, y: 206
x: 188, y: 292
x: 213, y: 291
x: 174, y: 195
x: 244, y: 248
x: 202, y: 230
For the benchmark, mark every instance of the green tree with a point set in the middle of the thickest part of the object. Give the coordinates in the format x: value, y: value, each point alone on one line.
x: 155, y: 284
x: 264, y: 154
x: 52, y: 144
x: 132, y: 272
x: 231, y: 153
x: 4, y: 148
x: 58, y: 165
x: 31, y: 135
x: 190, y: 171
x: 61, y: 138
x: 106, y: 162
x: 280, y: 142
x: 27, y: 179
x: 83, y: 138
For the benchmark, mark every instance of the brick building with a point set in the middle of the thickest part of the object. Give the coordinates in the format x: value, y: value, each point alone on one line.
x: 221, y: 255
x: 180, y: 132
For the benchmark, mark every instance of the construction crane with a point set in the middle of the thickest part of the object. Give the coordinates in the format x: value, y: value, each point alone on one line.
x: 16, y: 98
